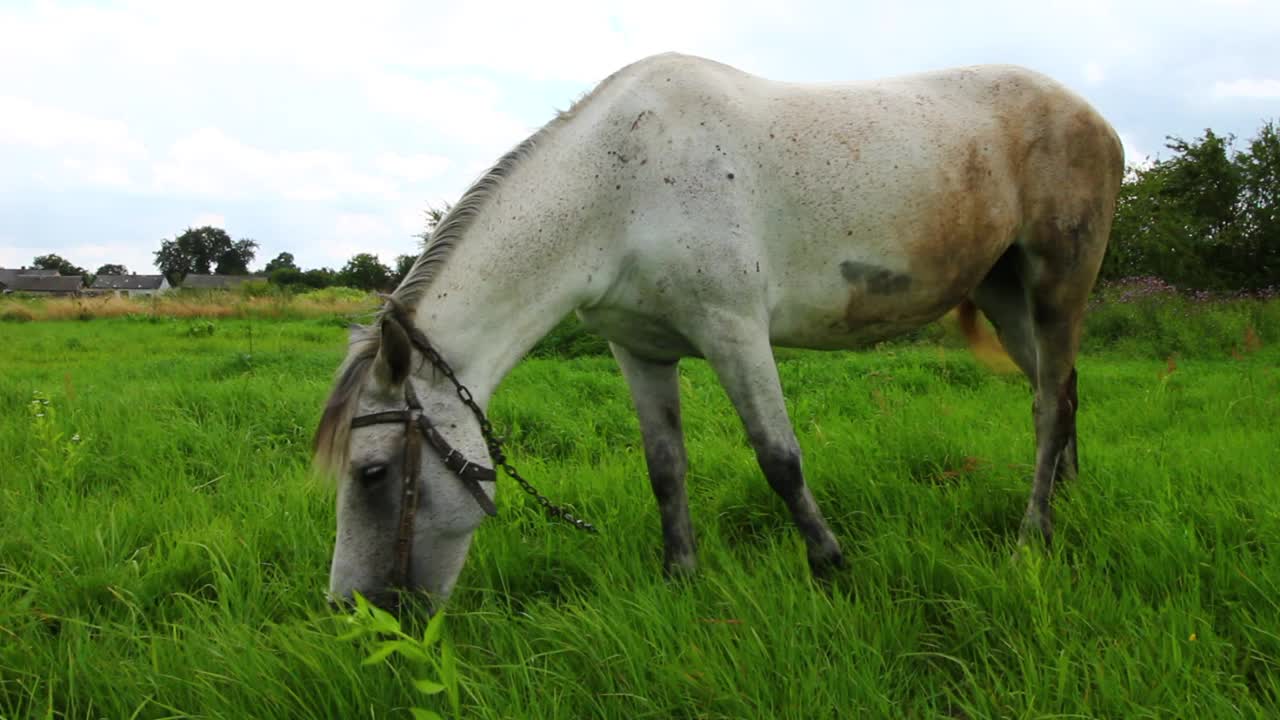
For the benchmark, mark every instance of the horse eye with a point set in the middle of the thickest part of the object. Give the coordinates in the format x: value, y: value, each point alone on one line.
x: 371, y: 475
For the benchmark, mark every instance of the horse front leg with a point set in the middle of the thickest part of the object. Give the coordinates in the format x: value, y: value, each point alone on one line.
x: 655, y: 390
x: 740, y: 353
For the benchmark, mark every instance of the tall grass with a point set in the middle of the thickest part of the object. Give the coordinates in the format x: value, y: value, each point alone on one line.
x: 164, y: 548
x: 249, y: 302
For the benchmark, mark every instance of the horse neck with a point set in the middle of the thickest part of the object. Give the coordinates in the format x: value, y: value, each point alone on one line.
x: 516, y: 271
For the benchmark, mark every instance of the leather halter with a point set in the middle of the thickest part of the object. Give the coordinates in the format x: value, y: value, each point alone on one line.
x: 417, y: 427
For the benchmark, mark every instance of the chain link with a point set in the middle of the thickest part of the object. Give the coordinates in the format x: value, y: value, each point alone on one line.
x: 496, y: 452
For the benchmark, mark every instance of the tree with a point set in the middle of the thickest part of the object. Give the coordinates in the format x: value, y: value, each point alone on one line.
x: 364, y: 271
x: 283, y: 261
x: 320, y: 278
x: 1153, y: 233
x: 112, y: 270
x: 235, y: 259
x: 1260, y: 180
x: 1207, y: 217
x: 55, y: 262
x: 404, y: 263
x: 199, y: 250
x: 286, y: 276
x: 434, y: 216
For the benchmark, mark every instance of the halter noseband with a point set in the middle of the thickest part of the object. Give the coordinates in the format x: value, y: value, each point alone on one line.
x: 468, y: 472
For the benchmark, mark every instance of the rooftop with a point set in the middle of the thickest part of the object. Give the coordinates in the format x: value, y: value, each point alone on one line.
x: 44, y: 283
x: 128, y: 282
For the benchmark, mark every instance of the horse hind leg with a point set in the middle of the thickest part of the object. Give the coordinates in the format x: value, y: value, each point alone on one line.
x: 1005, y: 299
x: 1035, y: 297
x: 1002, y: 298
x: 1062, y: 265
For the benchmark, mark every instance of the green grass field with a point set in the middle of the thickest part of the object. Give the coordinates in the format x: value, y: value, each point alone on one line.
x: 164, y: 549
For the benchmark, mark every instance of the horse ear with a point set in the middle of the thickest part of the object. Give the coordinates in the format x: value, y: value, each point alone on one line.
x: 395, y: 354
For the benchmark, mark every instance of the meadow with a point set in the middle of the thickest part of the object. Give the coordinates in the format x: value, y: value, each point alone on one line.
x: 164, y: 546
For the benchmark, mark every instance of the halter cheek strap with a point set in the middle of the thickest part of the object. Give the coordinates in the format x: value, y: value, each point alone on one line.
x: 468, y: 472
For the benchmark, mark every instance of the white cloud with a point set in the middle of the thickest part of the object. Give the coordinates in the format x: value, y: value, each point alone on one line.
x: 354, y: 233
x: 24, y: 122
x: 210, y: 219
x: 585, y: 40
x: 461, y: 109
x: 1247, y: 89
x: 208, y: 162
x: 1094, y: 74
x: 290, y: 32
x: 91, y: 150
x: 94, y: 255
x: 13, y: 255
x: 354, y: 226
x: 1133, y: 154
x: 412, y: 220
x: 412, y: 168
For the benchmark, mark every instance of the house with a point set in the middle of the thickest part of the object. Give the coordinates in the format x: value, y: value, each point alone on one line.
x: 8, y: 275
x: 131, y: 285
x: 217, y: 282
x: 45, y: 284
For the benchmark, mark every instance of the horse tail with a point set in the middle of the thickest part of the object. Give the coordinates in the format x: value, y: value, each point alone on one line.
x: 967, y: 315
x: 984, y: 345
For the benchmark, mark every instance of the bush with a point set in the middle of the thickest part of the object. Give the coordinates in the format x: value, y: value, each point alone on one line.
x: 336, y: 294
x: 1147, y: 317
x: 570, y: 338
x: 260, y: 289
x: 201, y: 329
x: 16, y: 313
x: 286, y: 277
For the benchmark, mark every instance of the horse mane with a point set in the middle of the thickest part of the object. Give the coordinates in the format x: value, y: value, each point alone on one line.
x: 332, y: 438
x: 333, y: 433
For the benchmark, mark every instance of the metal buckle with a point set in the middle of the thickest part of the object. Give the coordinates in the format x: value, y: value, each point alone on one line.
x: 456, y: 461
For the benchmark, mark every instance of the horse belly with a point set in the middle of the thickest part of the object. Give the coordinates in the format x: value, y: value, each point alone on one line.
x: 648, y: 335
x: 875, y: 305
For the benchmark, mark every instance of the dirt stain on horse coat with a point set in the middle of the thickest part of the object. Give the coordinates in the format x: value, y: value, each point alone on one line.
x: 875, y: 280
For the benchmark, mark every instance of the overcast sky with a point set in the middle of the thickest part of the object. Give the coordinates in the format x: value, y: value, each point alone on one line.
x: 326, y: 129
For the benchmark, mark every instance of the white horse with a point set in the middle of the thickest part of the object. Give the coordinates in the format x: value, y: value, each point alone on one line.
x: 686, y: 208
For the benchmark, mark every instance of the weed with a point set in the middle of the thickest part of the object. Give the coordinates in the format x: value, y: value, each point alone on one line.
x: 201, y: 329
x: 382, y: 631
x: 57, y: 457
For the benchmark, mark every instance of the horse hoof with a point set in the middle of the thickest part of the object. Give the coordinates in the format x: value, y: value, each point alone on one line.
x: 1036, y: 524
x: 827, y: 565
x: 680, y: 568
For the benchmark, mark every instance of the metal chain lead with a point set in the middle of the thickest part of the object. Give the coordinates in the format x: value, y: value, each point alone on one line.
x: 495, y: 445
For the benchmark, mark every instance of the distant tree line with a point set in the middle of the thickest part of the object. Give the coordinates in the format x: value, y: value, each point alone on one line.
x: 210, y: 250
x: 364, y: 270
x: 1207, y: 217
x: 66, y: 267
